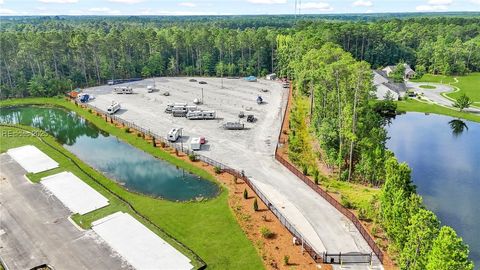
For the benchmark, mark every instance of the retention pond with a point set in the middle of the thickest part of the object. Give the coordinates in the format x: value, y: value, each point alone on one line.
x: 444, y: 154
x: 129, y: 166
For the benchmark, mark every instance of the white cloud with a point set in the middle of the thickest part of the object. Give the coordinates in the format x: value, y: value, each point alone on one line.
x: 440, y: 2
x: 320, y: 6
x: 104, y: 11
x: 58, y: 1
x: 126, y: 1
x: 187, y: 4
x: 475, y: 2
x: 268, y: 2
x: 1, y: 2
x: 362, y: 3
x: 6, y: 11
x: 431, y: 8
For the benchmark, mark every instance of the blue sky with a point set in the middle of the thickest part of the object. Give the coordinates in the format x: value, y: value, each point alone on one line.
x: 218, y: 7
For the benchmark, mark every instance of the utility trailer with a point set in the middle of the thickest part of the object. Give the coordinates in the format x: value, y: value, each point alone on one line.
x: 194, y: 115
x: 233, y: 126
x: 181, y: 111
x: 195, y: 144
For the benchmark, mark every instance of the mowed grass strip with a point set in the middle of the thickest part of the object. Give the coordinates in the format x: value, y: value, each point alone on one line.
x: 468, y: 84
x: 208, y: 227
x: 413, y: 105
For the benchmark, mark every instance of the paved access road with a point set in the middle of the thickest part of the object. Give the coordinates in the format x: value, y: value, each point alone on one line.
x: 435, y: 95
x: 34, y: 228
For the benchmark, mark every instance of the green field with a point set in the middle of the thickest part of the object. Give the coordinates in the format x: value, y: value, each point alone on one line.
x: 413, y: 105
x: 469, y: 84
x: 426, y: 86
x: 208, y: 227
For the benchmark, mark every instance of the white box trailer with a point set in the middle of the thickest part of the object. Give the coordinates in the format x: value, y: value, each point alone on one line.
x: 181, y: 111
x: 174, y: 134
x: 123, y: 90
x: 195, y: 144
x: 113, y: 108
x: 193, y: 115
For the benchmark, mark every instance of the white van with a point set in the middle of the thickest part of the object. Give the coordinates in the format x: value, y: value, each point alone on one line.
x: 123, y: 90
x: 174, y: 134
x: 113, y: 108
x: 195, y: 144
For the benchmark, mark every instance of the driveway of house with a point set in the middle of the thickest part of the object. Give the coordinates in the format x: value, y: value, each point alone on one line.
x: 435, y: 95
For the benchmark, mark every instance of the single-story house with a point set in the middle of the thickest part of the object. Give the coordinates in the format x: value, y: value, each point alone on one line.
x: 384, y: 86
x: 409, y: 72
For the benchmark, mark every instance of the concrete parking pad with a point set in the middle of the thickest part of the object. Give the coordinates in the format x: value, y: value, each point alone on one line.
x: 32, y: 159
x: 74, y: 193
x: 35, y: 229
x: 143, y: 249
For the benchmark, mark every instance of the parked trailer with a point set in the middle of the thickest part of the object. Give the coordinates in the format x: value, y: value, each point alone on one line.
x: 174, y: 134
x: 113, y: 108
x: 123, y: 90
x: 193, y: 115
x: 181, y: 111
x: 170, y: 106
x: 233, y: 125
x: 195, y: 144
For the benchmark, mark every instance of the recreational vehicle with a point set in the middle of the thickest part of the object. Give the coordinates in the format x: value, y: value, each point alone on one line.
x: 174, y: 134
x: 113, y: 108
x: 123, y: 90
x: 192, y: 115
x: 170, y: 106
x: 195, y: 144
x: 150, y: 88
x: 233, y: 125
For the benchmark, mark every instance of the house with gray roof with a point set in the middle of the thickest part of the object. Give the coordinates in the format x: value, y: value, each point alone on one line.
x: 385, y: 86
x: 409, y: 72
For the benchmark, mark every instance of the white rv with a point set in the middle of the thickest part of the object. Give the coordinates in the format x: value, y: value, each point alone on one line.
x: 182, y: 110
x: 150, y: 88
x: 170, y: 106
x: 174, y: 134
x: 192, y: 115
x: 195, y: 144
x: 123, y: 90
x: 113, y: 108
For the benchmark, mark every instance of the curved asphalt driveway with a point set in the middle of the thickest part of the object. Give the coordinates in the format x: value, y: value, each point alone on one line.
x: 435, y: 95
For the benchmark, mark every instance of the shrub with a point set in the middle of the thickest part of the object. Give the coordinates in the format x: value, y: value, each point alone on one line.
x: 217, y: 170
x: 235, y: 179
x: 316, y: 176
x: 266, y: 233
x: 347, y: 203
x: 305, y: 169
x: 286, y: 260
x: 255, y: 205
x: 127, y: 130
x: 139, y: 135
x: 192, y: 157
x: 162, y: 144
x: 245, y: 194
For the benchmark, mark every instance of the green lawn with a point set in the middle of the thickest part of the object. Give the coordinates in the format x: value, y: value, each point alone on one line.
x: 443, y: 79
x: 414, y: 105
x: 426, y: 86
x: 208, y: 227
x: 469, y: 84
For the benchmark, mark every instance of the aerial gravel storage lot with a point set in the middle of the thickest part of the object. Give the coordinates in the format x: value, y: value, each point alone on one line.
x: 250, y: 150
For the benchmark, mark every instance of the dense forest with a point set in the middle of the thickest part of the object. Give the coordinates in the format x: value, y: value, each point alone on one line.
x: 328, y: 58
x: 48, y: 56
